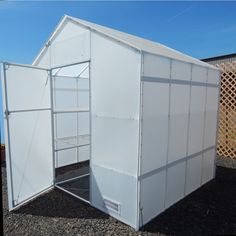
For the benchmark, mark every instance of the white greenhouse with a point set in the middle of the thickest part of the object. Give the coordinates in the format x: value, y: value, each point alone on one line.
x: 125, y: 124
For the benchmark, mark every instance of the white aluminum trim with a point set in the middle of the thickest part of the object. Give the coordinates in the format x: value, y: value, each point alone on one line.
x: 176, y: 81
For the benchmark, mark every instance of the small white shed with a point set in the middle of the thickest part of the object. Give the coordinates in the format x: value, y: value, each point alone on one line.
x: 139, y: 118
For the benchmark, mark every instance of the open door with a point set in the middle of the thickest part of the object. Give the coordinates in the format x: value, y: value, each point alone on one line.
x: 28, y: 131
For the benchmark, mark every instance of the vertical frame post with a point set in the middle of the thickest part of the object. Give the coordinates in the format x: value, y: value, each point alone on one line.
x: 11, y: 201
x: 52, y: 123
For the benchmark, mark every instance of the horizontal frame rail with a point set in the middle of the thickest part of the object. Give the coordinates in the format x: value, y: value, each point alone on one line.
x: 72, y: 64
x: 67, y: 148
x: 70, y: 111
x: 155, y: 171
x: 177, y: 81
x: 24, y: 65
x: 29, y: 110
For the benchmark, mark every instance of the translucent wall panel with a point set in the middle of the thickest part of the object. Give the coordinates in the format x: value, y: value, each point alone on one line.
x: 194, y: 171
x: 199, y: 74
x: 211, y: 117
x: 156, y: 66
x: 66, y: 157
x: 83, y: 153
x: 179, y: 106
x: 31, y: 153
x: 115, y: 98
x: 66, y: 125
x: 152, y: 196
x: 119, y: 189
x: 71, y: 45
x: 115, y: 89
x: 208, y: 165
x: 213, y: 76
x: 175, y: 183
x: 197, y: 117
x: 154, y: 126
x: 22, y: 93
x: 180, y: 70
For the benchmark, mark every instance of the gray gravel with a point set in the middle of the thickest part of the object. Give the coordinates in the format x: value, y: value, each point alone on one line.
x: 209, y: 210
x: 57, y: 213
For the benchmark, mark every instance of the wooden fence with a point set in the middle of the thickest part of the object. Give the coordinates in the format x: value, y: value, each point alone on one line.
x: 226, y: 145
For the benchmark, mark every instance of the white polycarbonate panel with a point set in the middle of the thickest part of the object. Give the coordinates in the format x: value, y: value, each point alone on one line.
x: 28, y: 88
x: 175, y: 183
x: 69, y: 30
x: 84, y: 153
x: 156, y: 66
x: 74, y: 71
x: 211, y: 117
x: 83, y: 123
x: 115, y: 144
x: 152, y: 196
x: 199, y: 73
x: 180, y: 70
x: 196, y: 125
x: 154, y: 126
x: 193, y: 177
x: 61, y: 82
x: 208, y: 165
x: 66, y: 157
x: 83, y: 98
x: 213, y: 76
x: 179, y: 106
x: 66, y: 125
x: 118, y: 188
x: 115, y: 94
x: 65, y: 99
x: 71, y: 50
x: 31, y: 153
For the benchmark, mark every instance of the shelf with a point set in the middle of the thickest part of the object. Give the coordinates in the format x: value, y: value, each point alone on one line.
x: 72, y: 142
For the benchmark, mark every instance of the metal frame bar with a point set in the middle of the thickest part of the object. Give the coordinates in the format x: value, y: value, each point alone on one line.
x: 74, y: 195
x: 69, y: 77
x: 176, y: 81
x: 217, y: 123
x: 168, y: 132
x: 71, y: 89
x: 67, y: 148
x: 77, y: 177
x: 139, y: 207
x: 90, y: 121
x: 52, y: 126
x: 188, y: 129
x: 70, y: 111
x: 155, y: 171
x: 8, y: 136
x: 29, y: 110
x: 25, y: 65
x: 72, y: 64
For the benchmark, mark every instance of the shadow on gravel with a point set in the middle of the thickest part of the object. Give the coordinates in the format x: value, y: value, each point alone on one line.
x: 59, y: 204
x: 211, y: 210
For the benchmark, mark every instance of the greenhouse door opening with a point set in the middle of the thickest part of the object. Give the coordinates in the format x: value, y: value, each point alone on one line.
x: 71, y: 118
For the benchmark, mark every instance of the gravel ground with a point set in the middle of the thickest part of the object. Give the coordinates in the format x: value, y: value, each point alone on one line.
x: 209, y: 210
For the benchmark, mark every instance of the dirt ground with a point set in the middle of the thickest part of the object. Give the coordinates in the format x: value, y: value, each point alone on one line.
x: 209, y: 210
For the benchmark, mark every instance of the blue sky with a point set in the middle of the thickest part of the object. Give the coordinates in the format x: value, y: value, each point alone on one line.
x: 199, y: 29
